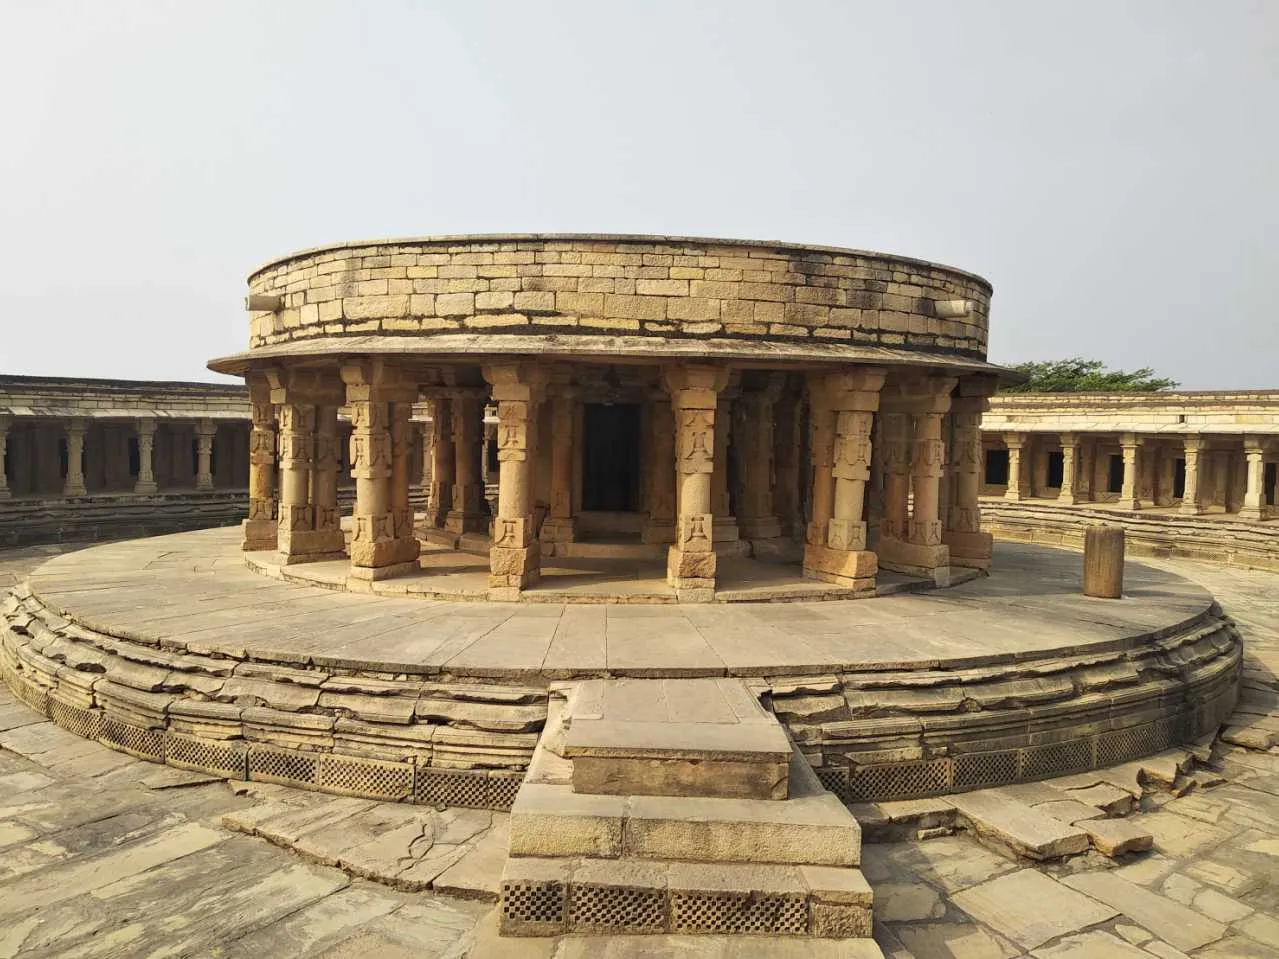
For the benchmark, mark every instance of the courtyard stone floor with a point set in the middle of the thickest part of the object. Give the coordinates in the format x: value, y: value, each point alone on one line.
x: 104, y: 855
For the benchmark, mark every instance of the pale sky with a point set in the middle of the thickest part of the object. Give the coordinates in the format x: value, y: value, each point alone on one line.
x: 1109, y: 166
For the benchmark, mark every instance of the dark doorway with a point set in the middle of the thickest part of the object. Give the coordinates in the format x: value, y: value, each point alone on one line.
x: 610, y: 458
x: 996, y: 467
x: 1271, y: 474
x: 1115, y: 474
x: 1056, y: 470
x: 1179, y: 479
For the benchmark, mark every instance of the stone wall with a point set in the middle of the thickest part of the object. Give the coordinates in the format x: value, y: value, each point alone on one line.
x: 661, y: 286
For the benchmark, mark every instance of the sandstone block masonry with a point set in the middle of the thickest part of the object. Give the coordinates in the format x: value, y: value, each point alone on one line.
x: 670, y: 286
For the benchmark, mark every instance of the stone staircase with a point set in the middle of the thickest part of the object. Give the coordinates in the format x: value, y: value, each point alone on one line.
x: 677, y: 807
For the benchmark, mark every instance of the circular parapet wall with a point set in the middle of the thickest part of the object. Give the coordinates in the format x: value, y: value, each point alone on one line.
x: 171, y: 650
x: 649, y: 288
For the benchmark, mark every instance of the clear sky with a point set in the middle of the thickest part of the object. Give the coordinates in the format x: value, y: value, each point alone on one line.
x: 1111, y: 166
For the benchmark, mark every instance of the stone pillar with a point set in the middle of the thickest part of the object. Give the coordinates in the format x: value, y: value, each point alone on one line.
x: 725, y: 528
x: 754, y: 430
x: 1128, y: 497
x: 440, y: 499
x: 1254, y: 497
x: 786, y: 465
x: 407, y: 548
x: 326, y: 460
x: 5, y: 422
x: 969, y: 546
x: 1165, y: 476
x: 690, y: 563
x: 204, y: 433
x: 373, y: 390
x: 467, y: 514
x: 297, y: 426
x: 146, y: 445
x: 1084, y: 469
x: 260, y: 528
x: 561, y: 525
x: 1017, y: 467
x: 1069, y: 468
x: 851, y: 399
x: 1190, y: 503
x: 515, y: 556
x: 821, y: 445
x: 74, y: 485
x: 660, y: 526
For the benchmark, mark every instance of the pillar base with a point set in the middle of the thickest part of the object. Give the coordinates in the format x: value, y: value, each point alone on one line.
x: 1252, y: 514
x: 1067, y: 498
x: 259, y: 535
x: 915, y: 559
x: 150, y: 487
x: 724, y: 530
x: 5, y: 494
x: 1132, y: 505
x: 691, y: 574
x: 460, y: 523
x: 760, y: 527
x: 658, y: 531
x: 374, y: 574
x: 310, y: 546
x: 854, y: 568
x: 969, y: 550
x: 1190, y: 509
x: 77, y: 489
x: 383, y: 553
x: 1014, y: 495
x: 559, y: 529
x: 513, y: 568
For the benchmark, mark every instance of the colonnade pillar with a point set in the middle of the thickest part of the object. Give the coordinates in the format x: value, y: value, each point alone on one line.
x: 1192, y: 446
x: 754, y: 431
x: 146, y: 448
x: 307, y: 405
x: 1069, y: 467
x: 260, y: 528
x: 921, y: 550
x: 4, y: 447
x: 515, y: 556
x: 204, y: 433
x: 969, y: 546
x: 561, y: 525
x: 725, y: 528
x: 440, y: 497
x: 468, y: 514
x: 690, y: 563
x: 74, y: 485
x: 1164, y: 476
x: 844, y: 405
x: 786, y: 465
x: 660, y: 525
x: 380, y: 400
x: 1017, y: 486
x: 1128, y: 496
x: 1254, y: 497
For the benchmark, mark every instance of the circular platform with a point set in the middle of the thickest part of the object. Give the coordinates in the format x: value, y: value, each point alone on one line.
x: 172, y: 649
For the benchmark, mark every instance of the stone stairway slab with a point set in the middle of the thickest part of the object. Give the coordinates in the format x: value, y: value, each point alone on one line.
x: 1010, y: 824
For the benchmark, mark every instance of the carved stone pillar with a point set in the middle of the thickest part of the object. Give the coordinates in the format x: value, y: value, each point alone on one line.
x: 786, y: 466
x: 753, y: 427
x: 325, y: 462
x: 1190, y: 503
x: 467, y: 514
x: 725, y: 528
x: 407, y: 548
x: 515, y: 556
x: 379, y: 546
x: 1164, y: 476
x: 5, y: 422
x: 1085, y: 468
x: 1128, y: 497
x: 74, y: 485
x: 1254, y: 497
x: 847, y: 401
x: 442, y: 449
x: 146, y: 445
x: 894, y: 524
x: 1017, y: 467
x: 297, y: 426
x: 969, y: 546
x: 260, y: 528
x: 690, y: 563
x: 922, y: 551
x: 561, y: 525
x: 1069, y: 464
x: 660, y: 526
x: 204, y: 433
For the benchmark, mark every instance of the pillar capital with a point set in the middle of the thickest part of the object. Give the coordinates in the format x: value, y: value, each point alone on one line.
x: 375, y: 380
x: 515, y: 382
x: 693, y: 386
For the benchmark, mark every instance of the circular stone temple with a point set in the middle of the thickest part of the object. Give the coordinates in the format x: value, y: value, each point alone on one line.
x: 660, y: 400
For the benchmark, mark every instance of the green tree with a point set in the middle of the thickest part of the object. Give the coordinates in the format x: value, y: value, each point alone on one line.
x: 1078, y: 375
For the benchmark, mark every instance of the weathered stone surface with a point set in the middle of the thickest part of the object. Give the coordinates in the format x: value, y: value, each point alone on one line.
x: 1030, y: 908
x: 1010, y: 824
x: 1181, y: 927
x: 1116, y: 837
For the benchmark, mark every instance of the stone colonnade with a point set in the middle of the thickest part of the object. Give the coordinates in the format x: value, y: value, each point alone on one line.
x: 1191, y: 473
x: 869, y: 467
x: 69, y: 457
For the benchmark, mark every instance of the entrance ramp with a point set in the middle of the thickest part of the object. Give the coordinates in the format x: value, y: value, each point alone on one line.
x: 677, y: 806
